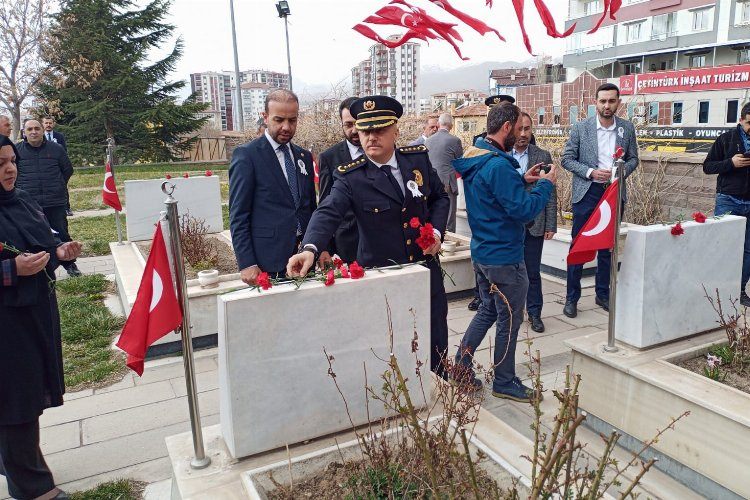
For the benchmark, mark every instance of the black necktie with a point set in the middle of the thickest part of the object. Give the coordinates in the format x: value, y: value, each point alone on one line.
x: 386, y: 169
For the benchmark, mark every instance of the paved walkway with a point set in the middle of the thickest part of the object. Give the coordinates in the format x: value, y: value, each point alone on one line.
x: 91, y: 265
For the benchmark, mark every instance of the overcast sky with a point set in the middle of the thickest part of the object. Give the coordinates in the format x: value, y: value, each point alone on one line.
x: 323, y: 45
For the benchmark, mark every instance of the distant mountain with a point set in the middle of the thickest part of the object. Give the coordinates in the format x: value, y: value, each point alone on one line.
x: 435, y: 79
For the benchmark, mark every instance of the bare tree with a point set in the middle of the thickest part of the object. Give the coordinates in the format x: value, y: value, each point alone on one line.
x: 23, y: 24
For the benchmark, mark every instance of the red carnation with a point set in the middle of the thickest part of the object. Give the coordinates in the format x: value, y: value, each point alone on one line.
x: 168, y: 176
x: 264, y: 281
x: 699, y: 217
x: 330, y: 278
x: 344, y: 272
x: 209, y: 173
x: 414, y: 222
x: 426, y: 237
x: 356, y: 271
x: 186, y: 175
x: 338, y: 262
x: 619, y: 152
x: 677, y: 230
x: 1, y: 247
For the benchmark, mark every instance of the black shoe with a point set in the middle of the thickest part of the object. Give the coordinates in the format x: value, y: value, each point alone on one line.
x: 536, y: 324
x: 603, y: 303
x: 570, y: 310
x: 69, y: 213
x: 61, y: 496
x: 516, y: 391
x: 744, y: 299
x: 474, y: 304
x: 73, y: 271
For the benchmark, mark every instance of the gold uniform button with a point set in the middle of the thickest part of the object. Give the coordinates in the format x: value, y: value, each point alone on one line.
x: 405, y: 225
x: 376, y: 210
x: 408, y: 242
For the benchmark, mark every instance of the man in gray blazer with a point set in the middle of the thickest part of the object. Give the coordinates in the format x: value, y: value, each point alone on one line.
x: 588, y: 155
x: 430, y: 127
x: 443, y: 148
x: 530, y: 159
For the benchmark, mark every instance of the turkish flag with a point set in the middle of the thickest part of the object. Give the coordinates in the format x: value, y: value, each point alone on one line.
x: 599, y: 231
x: 109, y: 190
x: 156, y: 311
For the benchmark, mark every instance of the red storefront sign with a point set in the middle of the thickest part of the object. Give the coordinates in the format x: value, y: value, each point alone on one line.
x: 687, y: 80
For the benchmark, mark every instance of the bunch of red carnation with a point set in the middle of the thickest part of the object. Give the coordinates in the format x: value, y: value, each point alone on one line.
x: 426, y: 237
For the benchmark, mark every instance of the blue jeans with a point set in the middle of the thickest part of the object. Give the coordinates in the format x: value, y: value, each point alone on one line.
x: 512, y: 282
x: 532, y: 253
x: 581, y: 213
x: 726, y: 204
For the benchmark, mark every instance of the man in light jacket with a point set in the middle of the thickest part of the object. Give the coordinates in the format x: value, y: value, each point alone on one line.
x: 444, y: 147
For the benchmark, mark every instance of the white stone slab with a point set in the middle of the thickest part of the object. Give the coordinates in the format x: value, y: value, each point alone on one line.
x: 660, y: 293
x: 200, y: 196
x: 273, y: 376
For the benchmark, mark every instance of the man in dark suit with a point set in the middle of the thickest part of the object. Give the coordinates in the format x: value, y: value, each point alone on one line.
x: 48, y: 123
x: 271, y: 192
x: 345, y: 241
x: 530, y: 160
x: 588, y: 155
x: 385, y: 189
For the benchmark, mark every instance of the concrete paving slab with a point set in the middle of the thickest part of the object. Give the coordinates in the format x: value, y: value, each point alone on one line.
x: 61, y: 437
x: 204, y: 381
x: 173, y: 367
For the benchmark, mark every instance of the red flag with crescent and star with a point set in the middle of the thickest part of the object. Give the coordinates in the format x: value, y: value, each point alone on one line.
x: 156, y: 311
x: 109, y: 190
x: 599, y: 231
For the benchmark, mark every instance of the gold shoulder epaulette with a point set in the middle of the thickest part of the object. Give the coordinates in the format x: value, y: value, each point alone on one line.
x: 348, y: 167
x: 407, y: 150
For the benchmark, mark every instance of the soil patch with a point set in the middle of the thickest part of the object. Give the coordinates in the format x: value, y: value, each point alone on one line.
x: 226, y: 261
x: 734, y: 377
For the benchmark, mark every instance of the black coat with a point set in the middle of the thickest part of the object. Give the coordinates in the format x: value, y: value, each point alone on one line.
x: 385, y: 235
x: 43, y: 172
x: 262, y: 215
x: 31, y: 369
x: 731, y: 181
x: 59, y: 138
x: 346, y: 239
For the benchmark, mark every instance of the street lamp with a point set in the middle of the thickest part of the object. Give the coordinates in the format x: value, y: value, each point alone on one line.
x: 283, y: 9
x: 237, y: 80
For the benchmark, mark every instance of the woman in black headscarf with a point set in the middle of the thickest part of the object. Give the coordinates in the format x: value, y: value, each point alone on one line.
x: 31, y: 373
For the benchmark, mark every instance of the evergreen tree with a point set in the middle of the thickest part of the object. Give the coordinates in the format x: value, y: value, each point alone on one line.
x: 102, y: 85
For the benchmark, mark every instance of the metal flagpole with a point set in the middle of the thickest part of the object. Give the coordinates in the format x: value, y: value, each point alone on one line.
x: 620, y: 169
x: 200, y: 461
x: 111, y: 161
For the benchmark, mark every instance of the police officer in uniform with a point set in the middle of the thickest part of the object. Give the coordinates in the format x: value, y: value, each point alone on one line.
x: 385, y: 189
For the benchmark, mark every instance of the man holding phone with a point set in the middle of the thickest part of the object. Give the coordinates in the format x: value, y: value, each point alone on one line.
x: 729, y: 157
x: 531, y: 160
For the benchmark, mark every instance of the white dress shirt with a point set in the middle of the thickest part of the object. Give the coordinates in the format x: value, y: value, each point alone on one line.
x: 606, y: 138
x: 279, y: 153
x: 354, y: 151
x: 50, y: 136
x: 393, y: 165
x: 522, y: 158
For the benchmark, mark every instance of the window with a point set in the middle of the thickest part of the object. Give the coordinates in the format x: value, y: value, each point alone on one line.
x: 631, y: 109
x: 676, y: 112
x: 703, y: 107
x: 703, y: 19
x: 733, y: 106
x: 632, y: 68
x: 556, y: 112
x: 573, y: 114
x: 743, y: 56
x: 591, y: 110
x: 743, y: 13
x: 541, y: 116
x: 592, y: 7
x: 662, y: 26
x: 697, y: 61
x: 667, y: 64
x: 633, y: 31
x: 653, y: 112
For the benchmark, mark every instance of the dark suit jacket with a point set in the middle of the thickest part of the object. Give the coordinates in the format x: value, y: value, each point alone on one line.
x: 262, y: 216
x: 346, y: 239
x: 60, y: 138
x: 385, y: 235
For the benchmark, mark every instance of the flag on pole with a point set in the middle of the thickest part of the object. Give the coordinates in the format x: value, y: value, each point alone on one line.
x: 109, y: 190
x: 599, y: 231
x: 156, y: 311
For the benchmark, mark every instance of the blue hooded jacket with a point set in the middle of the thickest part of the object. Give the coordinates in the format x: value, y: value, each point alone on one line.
x: 497, y: 203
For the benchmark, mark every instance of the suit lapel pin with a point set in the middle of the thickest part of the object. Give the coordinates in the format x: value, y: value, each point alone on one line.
x: 302, y: 168
x: 414, y: 188
x: 418, y: 177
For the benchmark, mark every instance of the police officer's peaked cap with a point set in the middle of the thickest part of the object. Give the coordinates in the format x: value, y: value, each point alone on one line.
x: 375, y: 111
x: 494, y: 100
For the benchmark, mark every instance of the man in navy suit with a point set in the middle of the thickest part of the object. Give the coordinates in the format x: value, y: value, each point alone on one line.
x: 346, y: 239
x: 48, y: 123
x: 385, y: 189
x: 271, y: 192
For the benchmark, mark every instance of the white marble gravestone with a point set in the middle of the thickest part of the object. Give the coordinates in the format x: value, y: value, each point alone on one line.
x: 273, y: 376
x: 200, y: 196
x: 660, y: 293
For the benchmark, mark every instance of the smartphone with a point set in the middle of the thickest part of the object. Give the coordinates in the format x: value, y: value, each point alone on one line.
x: 545, y: 168
x: 746, y: 155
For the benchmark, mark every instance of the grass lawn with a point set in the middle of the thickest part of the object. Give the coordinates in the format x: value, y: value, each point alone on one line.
x: 95, y: 233
x: 122, y: 489
x: 93, y: 178
x: 87, y: 331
